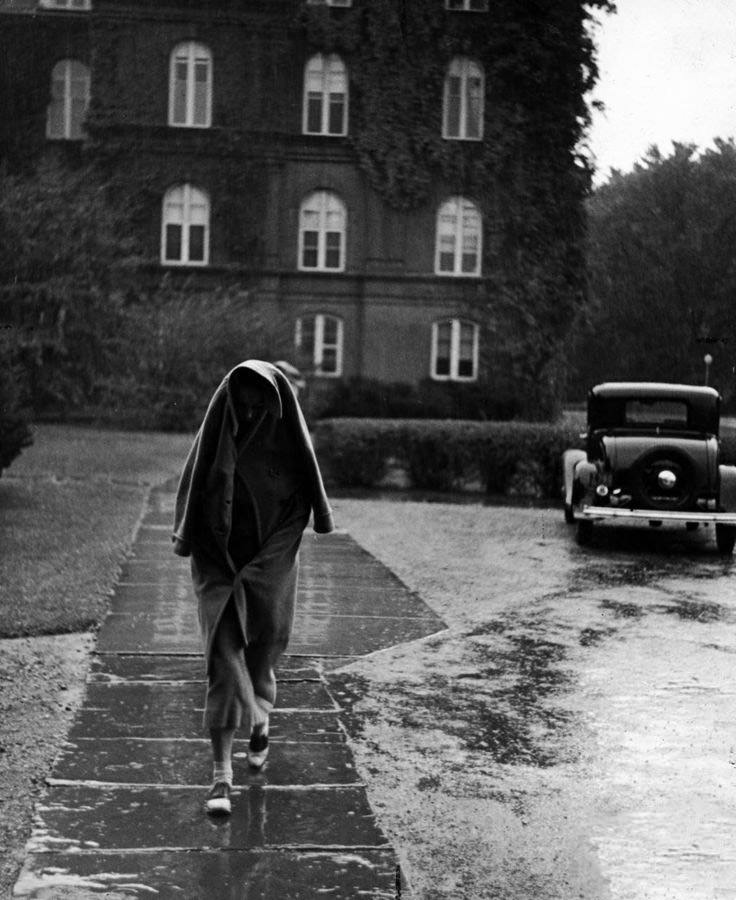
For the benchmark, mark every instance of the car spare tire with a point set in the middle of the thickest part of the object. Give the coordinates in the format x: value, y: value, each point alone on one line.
x: 663, y: 478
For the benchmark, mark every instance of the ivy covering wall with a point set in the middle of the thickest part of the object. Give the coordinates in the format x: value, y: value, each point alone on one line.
x: 528, y: 175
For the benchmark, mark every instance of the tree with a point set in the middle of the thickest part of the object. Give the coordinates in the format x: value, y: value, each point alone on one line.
x: 662, y: 270
x: 96, y: 339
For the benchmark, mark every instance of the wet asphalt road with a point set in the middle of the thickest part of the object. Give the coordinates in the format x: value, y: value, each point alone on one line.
x: 573, y: 733
x: 625, y: 681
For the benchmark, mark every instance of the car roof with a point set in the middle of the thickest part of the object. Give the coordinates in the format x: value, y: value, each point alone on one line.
x: 653, y: 389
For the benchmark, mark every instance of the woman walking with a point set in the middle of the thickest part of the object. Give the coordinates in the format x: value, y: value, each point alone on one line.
x: 245, y: 496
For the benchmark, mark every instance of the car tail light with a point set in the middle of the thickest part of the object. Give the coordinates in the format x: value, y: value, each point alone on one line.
x: 708, y: 503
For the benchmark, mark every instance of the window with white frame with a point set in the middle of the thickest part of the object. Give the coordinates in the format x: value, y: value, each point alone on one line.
x: 319, y: 339
x: 454, y: 350
x: 464, y: 97
x: 66, y: 4
x: 322, y: 225
x: 69, y: 100
x: 325, y: 96
x: 459, y: 238
x: 185, y: 226
x: 467, y: 5
x: 190, y: 86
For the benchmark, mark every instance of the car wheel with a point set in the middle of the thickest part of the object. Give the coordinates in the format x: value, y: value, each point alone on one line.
x: 569, y: 514
x: 725, y: 538
x: 584, y: 532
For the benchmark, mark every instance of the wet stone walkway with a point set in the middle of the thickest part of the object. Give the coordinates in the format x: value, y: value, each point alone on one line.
x: 123, y: 813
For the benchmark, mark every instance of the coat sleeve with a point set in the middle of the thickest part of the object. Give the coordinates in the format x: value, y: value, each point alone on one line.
x: 187, y: 508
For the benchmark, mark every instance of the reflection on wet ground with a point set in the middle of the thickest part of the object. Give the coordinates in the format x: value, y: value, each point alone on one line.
x: 656, y: 689
x: 608, y: 695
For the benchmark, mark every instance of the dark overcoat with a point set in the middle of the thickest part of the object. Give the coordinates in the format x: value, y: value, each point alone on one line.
x: 264, y: 588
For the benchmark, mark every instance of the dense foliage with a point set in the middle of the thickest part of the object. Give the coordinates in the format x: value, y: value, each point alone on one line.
x: 662, y: 271
x: 511, y: 458
x: 15, y: 431
x: 95, y: 343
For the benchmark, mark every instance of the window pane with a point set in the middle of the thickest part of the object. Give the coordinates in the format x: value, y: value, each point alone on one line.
x: 469, y: 262
x: 309, y: 250
x: 447, y: 262
x: 467, y: 341
x: 305, y: 335
x: 314, y: 113
x: 442, y: 365
x: 196, y: 243
x: 329, y: 330
x: 310, y: 220
x: 329, y: 360
x: 78, y: 109
x: 180, y: 93
x: 332, y: 250
x: 175, y: 206
x: 453, y: 107
x: 201, y: 74
x: 173, y: 242
x: 443, y: 334
x: 475, y: 108
x: 465, y: 368
x: 337, y: 113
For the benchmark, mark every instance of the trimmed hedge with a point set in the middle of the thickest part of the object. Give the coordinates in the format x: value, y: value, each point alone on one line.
x: 510, y: 458
x: 15, y: 430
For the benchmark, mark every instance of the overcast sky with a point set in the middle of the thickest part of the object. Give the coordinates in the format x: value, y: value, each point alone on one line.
x: 667, y: 72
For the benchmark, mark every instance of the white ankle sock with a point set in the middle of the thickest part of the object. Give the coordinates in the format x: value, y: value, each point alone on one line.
x: 223, y: 772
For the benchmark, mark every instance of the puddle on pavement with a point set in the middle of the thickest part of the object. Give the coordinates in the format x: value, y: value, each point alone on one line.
x: 502, y: 701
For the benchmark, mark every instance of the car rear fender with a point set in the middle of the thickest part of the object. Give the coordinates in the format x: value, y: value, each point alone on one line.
x: 573, y: 461
x: 727, y: 479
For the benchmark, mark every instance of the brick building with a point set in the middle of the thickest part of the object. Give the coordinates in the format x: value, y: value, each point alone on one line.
x: 247, y: 135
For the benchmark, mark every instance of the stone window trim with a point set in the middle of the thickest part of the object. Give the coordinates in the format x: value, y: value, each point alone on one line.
x: 322, y: 233
x: 70, y: 93
x: 319, y: 337
x: 459, y: 239
x: 467, y: 5
x: 454, y: 354
x: 81, y: 5
x: 325, y: 102
x: 185, y: 226
x: 190, y: 86
x: 463, y: 100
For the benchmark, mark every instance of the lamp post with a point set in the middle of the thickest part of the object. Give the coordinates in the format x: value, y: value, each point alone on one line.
x: 707, y: 359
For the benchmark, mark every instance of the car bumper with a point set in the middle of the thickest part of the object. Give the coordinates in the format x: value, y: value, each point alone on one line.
x: 656, y: 515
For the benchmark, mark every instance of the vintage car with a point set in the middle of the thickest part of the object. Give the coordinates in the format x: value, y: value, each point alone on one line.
x: 651, y: 454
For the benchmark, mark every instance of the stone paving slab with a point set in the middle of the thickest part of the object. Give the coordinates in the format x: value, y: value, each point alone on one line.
x: 110, y: 668
x: 173, y: 761
x: 234, y: 875
x: 123, y: 813
x: 164, y: 722
x: 79, y: 816
x: 136, y: 700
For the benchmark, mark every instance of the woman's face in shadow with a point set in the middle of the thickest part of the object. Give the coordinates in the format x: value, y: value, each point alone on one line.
x: 249, y: 399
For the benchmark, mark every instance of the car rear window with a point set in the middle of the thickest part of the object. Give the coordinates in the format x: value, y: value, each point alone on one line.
x: 656, y: 414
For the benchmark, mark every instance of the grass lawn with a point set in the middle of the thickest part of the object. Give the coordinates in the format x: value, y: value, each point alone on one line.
x: 69, y: 505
